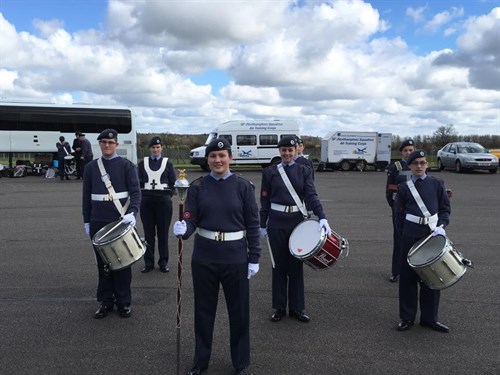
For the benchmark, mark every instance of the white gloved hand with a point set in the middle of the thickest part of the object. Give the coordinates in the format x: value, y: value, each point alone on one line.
x: 439, y: 231
x: 129, y: 219
x: 323, y: 223
x: 263, y: 232
x: 253, y: 268
x: 87, y: 228
x: 180, y: 228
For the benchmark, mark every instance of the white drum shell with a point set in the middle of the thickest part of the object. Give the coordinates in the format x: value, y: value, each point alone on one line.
x: 437, y: 262
x: 120, y: 247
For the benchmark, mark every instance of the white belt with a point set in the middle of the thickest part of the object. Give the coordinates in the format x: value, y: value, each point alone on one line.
x: 422, y: 220
x: 164, y: 186
x: 107, y: 197
x: 281, y: 208
x: 221, y: 236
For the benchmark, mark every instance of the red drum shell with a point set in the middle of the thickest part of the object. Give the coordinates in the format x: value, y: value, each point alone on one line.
x: 313, y: 247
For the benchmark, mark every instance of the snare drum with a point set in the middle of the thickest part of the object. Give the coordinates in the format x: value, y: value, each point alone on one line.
x: 69, y: 157
x: 437, y: 262
x: 314, y: 248
x: 119, y: 245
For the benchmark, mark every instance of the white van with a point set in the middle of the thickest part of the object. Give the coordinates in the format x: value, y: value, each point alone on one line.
x: 252, y: 141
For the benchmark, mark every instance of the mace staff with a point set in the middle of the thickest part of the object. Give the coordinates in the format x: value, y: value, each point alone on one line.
x: 181, y: 185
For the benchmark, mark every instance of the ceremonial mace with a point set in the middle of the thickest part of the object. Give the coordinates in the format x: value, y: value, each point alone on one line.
x: 181, y: 185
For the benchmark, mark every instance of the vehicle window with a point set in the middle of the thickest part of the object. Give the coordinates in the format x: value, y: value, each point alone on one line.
x: 246, y: 140
x: 452, y: 148
x: 476, y: 149
x: 287, y: 135
x: 227, y: 137
x: 463, y: 150
x: 268, y: 139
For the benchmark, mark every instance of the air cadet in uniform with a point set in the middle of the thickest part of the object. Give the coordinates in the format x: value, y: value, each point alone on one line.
x: 77, y: 147
x: 410, y: 221
x: 300, y: 158
x: 157, y: 178
x: 63, y: 150
x: 222, y: 209
x: 397, y: 173
x: 279, y: 215
x: 98, y: 211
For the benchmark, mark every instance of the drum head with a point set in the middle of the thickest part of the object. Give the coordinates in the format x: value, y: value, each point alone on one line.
x: 69, y: 157
x: 428, y: 252
x: 306, y: 238
x: 111, y: 232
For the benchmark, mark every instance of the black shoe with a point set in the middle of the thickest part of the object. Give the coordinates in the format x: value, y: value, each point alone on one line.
x: 436, y: 326
x: 300, y: 316
x: 67, y: 178
x: 404, y: 325
x: 243, y: 371
x: 194, y: 371
x: 102, y: 311
x: 278, y: 315
x: 165, y: 269
x: 147, y: 269
x: 125, y: 311
x: 393, y: 278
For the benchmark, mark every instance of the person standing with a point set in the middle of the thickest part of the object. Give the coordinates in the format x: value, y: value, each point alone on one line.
x: 433, y: 208
x: 279, y: 215
x: 77, y: 148
x: 301, y: 158
x: 157, y: 178
x: 63, y: 150
x: 87, y: 154
x: 222, y: 209
x: 99, y: 210
x: 397, y: 173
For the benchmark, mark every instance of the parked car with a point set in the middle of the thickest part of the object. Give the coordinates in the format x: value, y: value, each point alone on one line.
x: 463, y: 156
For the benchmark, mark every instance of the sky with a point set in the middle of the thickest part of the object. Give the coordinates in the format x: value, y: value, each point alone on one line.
x: 184, y: 66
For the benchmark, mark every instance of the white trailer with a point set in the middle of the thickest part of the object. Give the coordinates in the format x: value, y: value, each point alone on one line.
x: 252, y: 141
x: 346, y: 150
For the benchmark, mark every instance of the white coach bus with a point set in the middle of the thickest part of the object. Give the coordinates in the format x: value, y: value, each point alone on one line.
x: 36, y: 128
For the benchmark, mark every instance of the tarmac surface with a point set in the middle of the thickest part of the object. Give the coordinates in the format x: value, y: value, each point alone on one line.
x: 48, y: 284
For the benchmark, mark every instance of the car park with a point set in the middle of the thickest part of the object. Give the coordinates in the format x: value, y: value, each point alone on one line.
x: 466, y: 156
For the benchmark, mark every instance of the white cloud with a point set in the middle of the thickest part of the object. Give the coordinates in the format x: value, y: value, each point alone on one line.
x: 326, y: 64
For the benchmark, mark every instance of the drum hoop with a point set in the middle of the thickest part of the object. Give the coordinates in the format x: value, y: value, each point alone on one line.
x: 433, y: 260
x: 122, y: 234
x: 317, y: 247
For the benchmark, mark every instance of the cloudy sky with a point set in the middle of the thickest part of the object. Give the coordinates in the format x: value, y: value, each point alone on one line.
x: 183, y: 66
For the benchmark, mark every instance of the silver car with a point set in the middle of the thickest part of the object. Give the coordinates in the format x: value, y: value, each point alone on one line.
x: 463, y: 156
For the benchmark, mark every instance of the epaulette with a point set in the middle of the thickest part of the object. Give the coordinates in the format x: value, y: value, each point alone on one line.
x: 198, y: 181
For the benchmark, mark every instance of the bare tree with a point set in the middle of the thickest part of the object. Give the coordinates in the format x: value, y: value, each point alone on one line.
x: 444, y: 135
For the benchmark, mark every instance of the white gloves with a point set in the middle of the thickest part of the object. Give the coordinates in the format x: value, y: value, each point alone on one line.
x: 263, y: 232
x: 87, y: 228
x: 253, y: 268
x: 129, y: 219
x: 180, y: 228
x: 439, y: 231
x: 323, y: 223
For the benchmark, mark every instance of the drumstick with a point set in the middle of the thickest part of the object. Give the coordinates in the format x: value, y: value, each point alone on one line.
x: 270, y: 251
x: 112, y: 229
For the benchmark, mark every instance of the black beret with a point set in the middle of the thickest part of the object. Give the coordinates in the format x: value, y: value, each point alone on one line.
x: 78, y: 133
x: 217, y: 144
x: 108, y: 134
x: 287, y: 142
x: 407, y: 142
x: 299, y: 141
x: 415, y: 155
x: 154, y: 141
